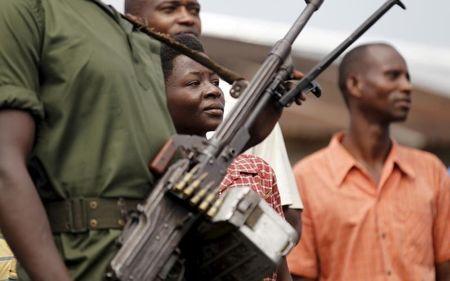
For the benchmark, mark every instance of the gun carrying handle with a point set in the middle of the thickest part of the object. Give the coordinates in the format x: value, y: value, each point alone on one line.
x: 161, y: 161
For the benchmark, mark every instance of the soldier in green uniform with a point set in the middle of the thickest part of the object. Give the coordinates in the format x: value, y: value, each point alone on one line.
x: 82, y: 94
x: 82, y: 100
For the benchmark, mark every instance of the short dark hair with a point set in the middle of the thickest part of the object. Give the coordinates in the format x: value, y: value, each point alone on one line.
x: 168, y: 54
x: 355, y: 61
x: 135, y: 7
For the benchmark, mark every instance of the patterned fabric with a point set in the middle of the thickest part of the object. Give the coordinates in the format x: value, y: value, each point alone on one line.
x: 272, y: 150
x: 355, y: 229
x: 7, y: 262
x: 252, y: 171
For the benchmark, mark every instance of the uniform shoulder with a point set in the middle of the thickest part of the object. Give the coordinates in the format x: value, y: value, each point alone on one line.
x: 15, y: 11
x: 20, y: 4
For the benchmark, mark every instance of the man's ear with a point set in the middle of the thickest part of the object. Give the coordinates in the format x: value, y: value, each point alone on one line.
x: 354, y: 86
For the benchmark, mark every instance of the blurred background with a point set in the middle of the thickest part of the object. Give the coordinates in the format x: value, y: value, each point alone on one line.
x: 239, y: 34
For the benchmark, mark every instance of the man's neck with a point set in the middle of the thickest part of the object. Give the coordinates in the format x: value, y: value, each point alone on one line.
x: 370, y: 143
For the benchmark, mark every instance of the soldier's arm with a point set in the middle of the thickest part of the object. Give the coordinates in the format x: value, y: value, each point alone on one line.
x: 264, y: 124
x: 270, y: 116
x: 22, y: 216
x: 283, y: 272
x: 293, y: 217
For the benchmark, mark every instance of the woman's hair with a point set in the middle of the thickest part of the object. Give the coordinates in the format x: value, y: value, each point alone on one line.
x: 168, y: 54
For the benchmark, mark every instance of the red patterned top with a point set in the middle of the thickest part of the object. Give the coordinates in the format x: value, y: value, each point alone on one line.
x: 252, y: 171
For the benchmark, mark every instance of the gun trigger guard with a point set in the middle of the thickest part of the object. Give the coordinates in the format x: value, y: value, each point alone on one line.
x: 315, y: 89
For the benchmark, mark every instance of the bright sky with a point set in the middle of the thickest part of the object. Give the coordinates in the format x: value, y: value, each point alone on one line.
x: 422, y: 22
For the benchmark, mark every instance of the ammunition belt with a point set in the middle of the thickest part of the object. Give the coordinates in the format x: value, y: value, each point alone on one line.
x: 78, y: 215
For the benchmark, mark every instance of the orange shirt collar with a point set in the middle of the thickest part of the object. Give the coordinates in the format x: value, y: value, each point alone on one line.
x: 343, y: 161
x: 400, y: 157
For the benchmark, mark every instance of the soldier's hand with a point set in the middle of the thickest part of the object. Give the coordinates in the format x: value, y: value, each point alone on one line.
x: 290, y: 84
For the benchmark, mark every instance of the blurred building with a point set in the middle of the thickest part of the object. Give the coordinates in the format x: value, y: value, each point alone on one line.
x: 242, y: 44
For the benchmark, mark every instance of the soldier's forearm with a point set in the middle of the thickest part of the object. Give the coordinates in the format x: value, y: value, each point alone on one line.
x: 25, y: 226
x: 22, y: 217
x: 283, y: 272
x: 293, y: 217
x: 264, y: 125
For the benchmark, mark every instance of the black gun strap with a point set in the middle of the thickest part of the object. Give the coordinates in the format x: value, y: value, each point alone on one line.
x: 226, y: 74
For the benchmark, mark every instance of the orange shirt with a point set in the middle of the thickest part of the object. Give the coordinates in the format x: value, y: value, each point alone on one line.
x: 355, y: 230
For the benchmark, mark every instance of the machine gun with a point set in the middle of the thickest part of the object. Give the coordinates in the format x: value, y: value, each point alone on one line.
x: 232, y: 237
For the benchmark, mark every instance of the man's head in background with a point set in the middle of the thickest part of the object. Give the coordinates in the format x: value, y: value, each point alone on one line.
x: 194, y: 99
x: 167, y: 16
x: 375, y: 82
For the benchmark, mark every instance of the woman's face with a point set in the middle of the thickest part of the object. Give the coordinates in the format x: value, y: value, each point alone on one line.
x: 194, y: 99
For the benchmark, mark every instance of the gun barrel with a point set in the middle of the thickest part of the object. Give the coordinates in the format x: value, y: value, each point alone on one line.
x: 262, y: 78
x: 331, y: 57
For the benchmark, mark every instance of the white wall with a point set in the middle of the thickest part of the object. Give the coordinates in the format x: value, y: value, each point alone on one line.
x: 424, y: 21
x: 118, y: 4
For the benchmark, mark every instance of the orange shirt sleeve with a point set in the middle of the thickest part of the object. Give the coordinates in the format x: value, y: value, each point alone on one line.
x: 441, y: 228
x: 303, y: 260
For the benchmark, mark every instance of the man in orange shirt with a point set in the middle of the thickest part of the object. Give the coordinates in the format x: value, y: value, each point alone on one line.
x: 374, y: 210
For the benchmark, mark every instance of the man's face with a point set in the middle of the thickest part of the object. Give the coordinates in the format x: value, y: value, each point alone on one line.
x: 386, y: 85
x: 194, y: 98
x: 174, y: 16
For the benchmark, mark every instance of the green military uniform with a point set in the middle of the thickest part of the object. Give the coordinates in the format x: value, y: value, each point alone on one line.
x: 96, y: 90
